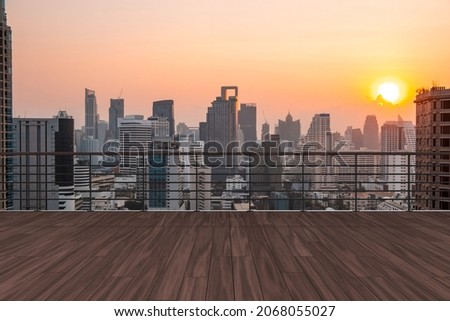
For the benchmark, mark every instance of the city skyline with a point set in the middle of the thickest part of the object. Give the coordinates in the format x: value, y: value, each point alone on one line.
x: 308, y: 60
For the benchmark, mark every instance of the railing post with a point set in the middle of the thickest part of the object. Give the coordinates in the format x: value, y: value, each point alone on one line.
x: 356, y: 182
x: 303, y: 185
x: 196, y: 181
x: 409, y: 182
x: 143, y: 182
x: 90, y: 182
x: 249, y: 198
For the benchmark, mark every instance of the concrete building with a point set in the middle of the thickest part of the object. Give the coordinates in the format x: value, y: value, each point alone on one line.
x: 289, y: 130
x: 265, y: 132
x: 6, y: 111
x: 371, y: 139
x: 116, y: 111
x: 247, y: 121
x: 91, y: 114
x: 44, y: 181
x: 433, y: 142
x: 165, y: 108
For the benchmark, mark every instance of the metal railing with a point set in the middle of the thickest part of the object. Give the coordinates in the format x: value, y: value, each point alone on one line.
x: 199, y: 181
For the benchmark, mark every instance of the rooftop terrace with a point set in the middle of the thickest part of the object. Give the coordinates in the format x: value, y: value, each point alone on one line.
x: 224, y: 256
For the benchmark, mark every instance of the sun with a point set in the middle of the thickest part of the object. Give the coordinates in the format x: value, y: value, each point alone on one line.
x: 389, y: 91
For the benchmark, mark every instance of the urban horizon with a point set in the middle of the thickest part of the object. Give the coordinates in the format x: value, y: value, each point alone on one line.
x: 303, y: 71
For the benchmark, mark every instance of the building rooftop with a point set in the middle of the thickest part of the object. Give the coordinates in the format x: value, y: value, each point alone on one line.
x: 224, y: 256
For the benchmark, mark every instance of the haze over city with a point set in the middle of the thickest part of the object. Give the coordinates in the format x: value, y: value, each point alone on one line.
x: 298, y: 56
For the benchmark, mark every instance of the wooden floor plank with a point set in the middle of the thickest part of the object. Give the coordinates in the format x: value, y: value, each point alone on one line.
x: 224, y: 256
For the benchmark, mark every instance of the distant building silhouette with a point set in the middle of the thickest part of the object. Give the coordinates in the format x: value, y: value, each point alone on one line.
x: 247, y: 121
x: 6, y: 169
x: 371, y: 133
x: 319, y: 130
x: 221, y: 119
x: 433, y: 137
x: 91, y: 114
x: 265, y: 132
x: 165, y: 108
x: 289, y: 130
x: 116, y: 111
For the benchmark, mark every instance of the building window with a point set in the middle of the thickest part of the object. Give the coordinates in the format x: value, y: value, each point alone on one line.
x: 445, y: 104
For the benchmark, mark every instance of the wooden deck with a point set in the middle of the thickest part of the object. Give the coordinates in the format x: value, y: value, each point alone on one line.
x: 224, y: 256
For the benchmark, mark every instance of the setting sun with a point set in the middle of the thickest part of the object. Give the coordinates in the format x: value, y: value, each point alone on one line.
x: 389, y: 91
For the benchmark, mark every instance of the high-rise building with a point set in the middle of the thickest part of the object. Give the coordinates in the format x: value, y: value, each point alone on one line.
x: 433, y: 146
x: 6, y: 169
x: 289, y: 130
x: 265, y: 132
x: 165, y: 108
x: 102, y: 128
x: 116, y: 111
x: 222, y: 118
x: 44, y: 181
x: 91, y: 114
x: 203, y: 131
x: 371, y: 133
x: 397, y: 136
x: 320, y: 130
x: 357, y: 138
x: 247, y: 121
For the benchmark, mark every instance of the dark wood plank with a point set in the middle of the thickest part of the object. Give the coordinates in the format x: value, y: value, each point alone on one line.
x: 220, y: 286
x: 193, y: 289
x: 246, y: 283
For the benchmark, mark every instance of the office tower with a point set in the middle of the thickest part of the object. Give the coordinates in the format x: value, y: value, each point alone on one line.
x: 134, y: 135
x: 82, y: 183
x: 6, y: 169
x: 165, y: 108
x: 433, y: 144
x: 116, y: 111
x: 319, y: 130
x: 371, y: 133
x: 247, y: 121
x: 103, y: 128
x: 43, y: 181
x: 182, y: 129
x: 289, y: 130
x: 91, y: 114
x: 79, y: 135
x: 265, y: 132
x: 90, y: 145
x: 397, y: 136
x: 357, y: 138
x: 222, y: 118
x: 203, y: 131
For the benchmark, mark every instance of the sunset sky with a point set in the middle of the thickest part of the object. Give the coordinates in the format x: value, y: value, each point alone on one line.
x: 304, y: 56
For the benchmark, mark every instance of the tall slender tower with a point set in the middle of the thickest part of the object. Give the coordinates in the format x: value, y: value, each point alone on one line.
x: 116, y: 111
x: 247, y: 121
x: 91, y: 115
x: 6, y: 169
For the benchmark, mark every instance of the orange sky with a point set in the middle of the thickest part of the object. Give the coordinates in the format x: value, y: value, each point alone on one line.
x: 299, y: 55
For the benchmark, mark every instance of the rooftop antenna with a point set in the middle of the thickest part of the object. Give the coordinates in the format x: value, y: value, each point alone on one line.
x: 120, y: 95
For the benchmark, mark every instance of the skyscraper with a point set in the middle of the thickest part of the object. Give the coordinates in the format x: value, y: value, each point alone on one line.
x: 91, y: 114
x: 396, y: 136
x: 44, y: 181
x: 265, y: 132
x: 116, y: 111
x: 320, y: 130
x: 6, y: 169
x: 433, y: 144
x: 247, y: 121
x: 222, y: 117
x: 289, y: 130
x: 371, y: 133
x: 165, y: 108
